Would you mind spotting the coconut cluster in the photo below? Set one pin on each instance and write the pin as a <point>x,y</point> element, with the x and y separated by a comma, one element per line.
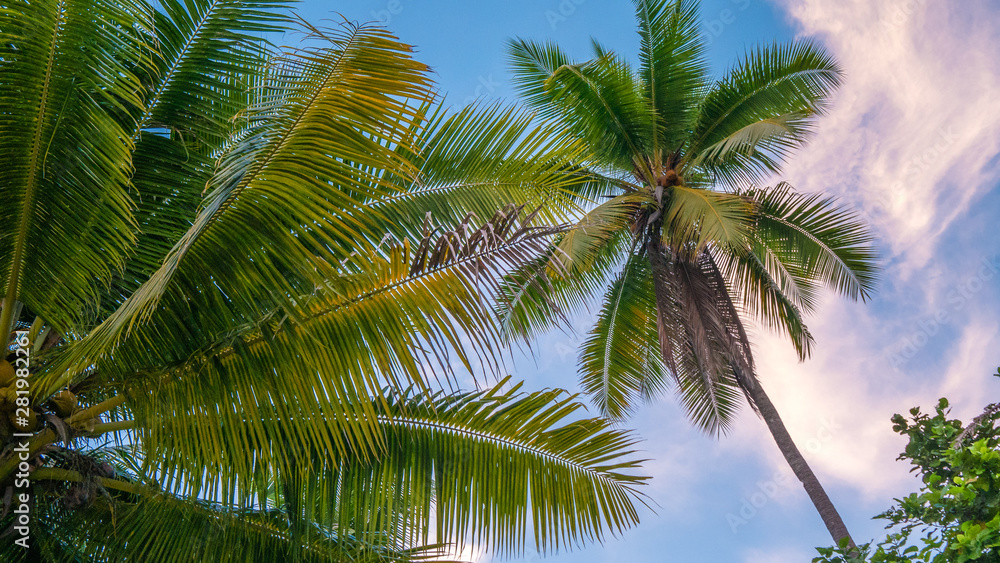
<point>8,403</point>
<point>63,404</point>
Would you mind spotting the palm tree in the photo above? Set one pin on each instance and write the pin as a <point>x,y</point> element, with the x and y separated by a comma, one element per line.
<point>232,277</point>
<point>684,238</point>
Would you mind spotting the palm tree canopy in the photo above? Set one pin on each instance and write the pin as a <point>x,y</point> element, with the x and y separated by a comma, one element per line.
<point>686,241</point>
<point>260,263</point>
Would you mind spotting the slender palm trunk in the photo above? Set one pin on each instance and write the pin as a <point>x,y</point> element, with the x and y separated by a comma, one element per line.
<point>827,511</point>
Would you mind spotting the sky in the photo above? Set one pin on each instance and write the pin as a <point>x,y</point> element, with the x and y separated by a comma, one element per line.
<point>912,142</point>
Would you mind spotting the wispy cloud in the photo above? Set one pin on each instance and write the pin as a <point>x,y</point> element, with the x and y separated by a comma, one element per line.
<point>914,129</point>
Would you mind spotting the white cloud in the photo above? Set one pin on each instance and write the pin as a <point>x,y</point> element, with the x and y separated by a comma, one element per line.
<point>964,385</point>
<point>916,124</point>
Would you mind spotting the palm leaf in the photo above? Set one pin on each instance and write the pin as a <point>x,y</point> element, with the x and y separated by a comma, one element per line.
<point>207,63</point>
<point>69,218</point>
<point>166,528</point>
<point>815,238</point>
<point>597,100</point>
<point>764,108</point>
<point>492,469</point>
<point>580,262</point>
<point>489,468</point>
<point>280,198</point>
<point>699,217</point>
<point>478,160</point>
<point>575,252</point>
<point>673,68</point>
<point>767,298</point>
<point>393,318</point>
<point>620,362</point>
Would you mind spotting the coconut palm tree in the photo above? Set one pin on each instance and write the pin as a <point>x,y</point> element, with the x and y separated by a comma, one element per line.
<point>233,277</point>
<point>682,235</point>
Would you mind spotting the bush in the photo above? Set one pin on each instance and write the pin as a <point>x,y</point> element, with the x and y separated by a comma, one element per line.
<point>955,516</point>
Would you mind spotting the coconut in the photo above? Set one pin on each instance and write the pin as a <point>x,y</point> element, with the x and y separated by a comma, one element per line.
<point>91,423</point>
<point>669,178</point>
<point>32,420</point>
<point>7,374</point>
<point>7,397</point>
<point>65,403</point>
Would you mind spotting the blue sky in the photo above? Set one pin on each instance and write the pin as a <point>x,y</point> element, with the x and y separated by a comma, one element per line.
<point>912,142</point>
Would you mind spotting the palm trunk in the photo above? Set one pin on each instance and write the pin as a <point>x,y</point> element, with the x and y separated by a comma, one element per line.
<point>827,511</point>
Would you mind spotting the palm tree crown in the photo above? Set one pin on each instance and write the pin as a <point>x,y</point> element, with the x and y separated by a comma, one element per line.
<point>683,236</point>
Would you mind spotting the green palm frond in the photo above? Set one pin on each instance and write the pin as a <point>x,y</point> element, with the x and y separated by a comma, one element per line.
<point>701,217</point>
<point>491,469</point>
<point>597,100</point>
<point>204,49</point>
<point>403,315</point>
<point>162,527</point>
<point>769,299</point>
<point>816,238</point>
<point>68,216</point>
<point>278,214</point>
<point>190,422</point>
<point>478,160</point>
<point>208,62</point>
<point>575,268</point>
<point>764,108</point>
<point>620,362</point>
<point>534,298</point>
<point>577,250</point>
<point>673,68</point>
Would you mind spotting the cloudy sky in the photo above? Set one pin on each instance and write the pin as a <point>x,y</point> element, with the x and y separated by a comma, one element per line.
<point>912,142</point>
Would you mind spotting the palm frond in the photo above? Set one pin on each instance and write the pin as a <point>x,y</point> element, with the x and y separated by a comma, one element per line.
<point>404,316</point>
<point>597,100</point>
<point>577,250</point>
<point>68,216</point>
<point>162,527</point>
<point>489,468</point>
<point>279,211</point>
<point>496,467</point>
<point>699,217</point>
<point>764,109</point>
<point>673,68</point>
<point>208,63</point>
<point>478,160</point>
<point>816,238</point>
<point>542,292</point>
<point>766,298</point>
<point>620,361</point>
<point>534,298</point>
